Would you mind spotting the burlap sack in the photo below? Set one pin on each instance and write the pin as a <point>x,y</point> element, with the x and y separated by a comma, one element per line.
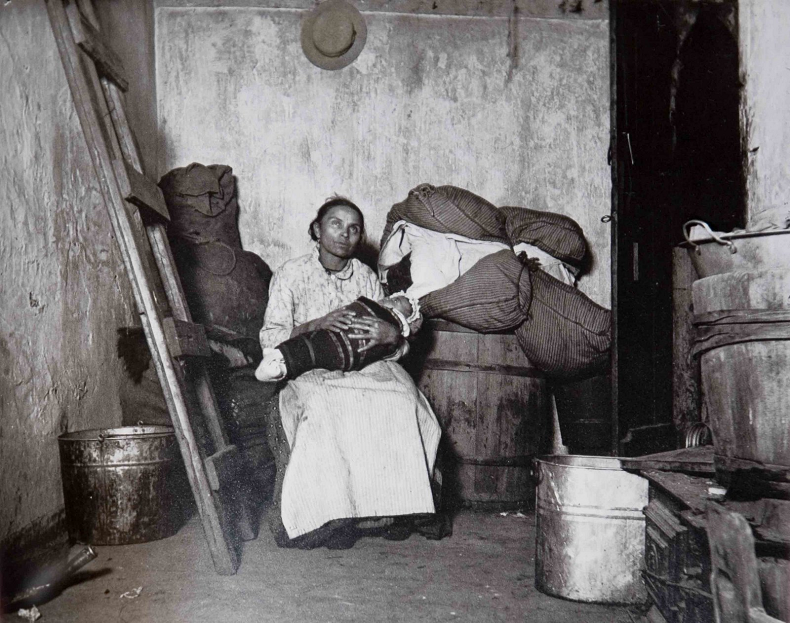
<point>224,285</point>
<point>202,204</point>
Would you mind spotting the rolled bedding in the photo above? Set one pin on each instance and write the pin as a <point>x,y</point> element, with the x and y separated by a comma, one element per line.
<point>494,295</point>
<point>560,329</point>
<point>448,210</point>
<point>556,234</point>
<point>565,334</point>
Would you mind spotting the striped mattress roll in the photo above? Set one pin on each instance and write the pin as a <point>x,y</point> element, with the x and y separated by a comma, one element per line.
<point>493,295</point>
<point>566,334</point>
<point>556,234</point>
<point>448,210</point>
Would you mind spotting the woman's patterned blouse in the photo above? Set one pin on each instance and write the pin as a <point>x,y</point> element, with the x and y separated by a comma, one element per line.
<point>302,290</point>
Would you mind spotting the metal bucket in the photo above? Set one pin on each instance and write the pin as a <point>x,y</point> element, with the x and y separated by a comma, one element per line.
<point>714,253</point>
<point>590,530</point>
<point>122,485</point>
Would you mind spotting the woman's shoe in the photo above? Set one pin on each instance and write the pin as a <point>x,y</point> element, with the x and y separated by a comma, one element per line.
<point>342,538</point>
<point>435,527</point>
<point>398,531</point>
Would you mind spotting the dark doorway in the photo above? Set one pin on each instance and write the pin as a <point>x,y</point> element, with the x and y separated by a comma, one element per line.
<point>676,157</point>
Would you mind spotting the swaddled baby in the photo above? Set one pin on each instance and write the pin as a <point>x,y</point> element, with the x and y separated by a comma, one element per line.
<point>335,350</point>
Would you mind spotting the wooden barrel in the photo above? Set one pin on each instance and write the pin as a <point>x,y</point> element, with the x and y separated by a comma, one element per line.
<point>742,336</point>
<point>763,289</point>
<point>493,407</point>
<point>745,373</point>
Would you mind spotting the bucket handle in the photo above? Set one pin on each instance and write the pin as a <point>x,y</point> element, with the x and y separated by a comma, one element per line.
<point>706,227</point>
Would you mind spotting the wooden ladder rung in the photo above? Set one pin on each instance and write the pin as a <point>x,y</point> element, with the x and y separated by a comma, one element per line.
<point>89,39</point>
<point>222,467</point>
<point>138,189</point>
<point>185,339</point>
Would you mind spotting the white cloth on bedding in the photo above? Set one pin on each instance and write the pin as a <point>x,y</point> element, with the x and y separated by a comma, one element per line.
<point>363,444</point>
<point>436,259</point>
<point>548,263</point>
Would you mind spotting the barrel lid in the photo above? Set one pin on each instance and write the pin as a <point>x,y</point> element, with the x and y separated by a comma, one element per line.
<point>440,324</point>
<point>581,461</point>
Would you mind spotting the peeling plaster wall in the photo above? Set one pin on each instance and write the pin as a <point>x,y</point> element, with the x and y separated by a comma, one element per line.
<point>764,42</point>
<point>64,290</point>
<point>514,109</point>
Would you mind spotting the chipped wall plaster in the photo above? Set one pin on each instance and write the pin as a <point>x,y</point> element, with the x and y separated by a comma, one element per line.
<point>64,290</point>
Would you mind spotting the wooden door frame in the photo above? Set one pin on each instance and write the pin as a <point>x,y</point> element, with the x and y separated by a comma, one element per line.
<point>614,163</point>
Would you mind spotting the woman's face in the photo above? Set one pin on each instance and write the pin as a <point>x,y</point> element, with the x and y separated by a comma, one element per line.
<point>339,231</point>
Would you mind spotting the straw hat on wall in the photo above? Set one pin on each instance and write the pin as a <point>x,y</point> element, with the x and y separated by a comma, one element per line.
<point>333,34</point>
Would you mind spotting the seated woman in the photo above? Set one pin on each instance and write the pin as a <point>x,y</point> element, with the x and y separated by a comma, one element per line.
<point>335,350</point>
<point>367,439</point>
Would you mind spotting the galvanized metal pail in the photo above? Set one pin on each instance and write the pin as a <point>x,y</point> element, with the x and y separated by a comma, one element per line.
<point>590,530</point>
<point>122,485</point>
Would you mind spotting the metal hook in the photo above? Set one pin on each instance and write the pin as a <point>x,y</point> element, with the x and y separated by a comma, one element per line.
<point>706,227</point>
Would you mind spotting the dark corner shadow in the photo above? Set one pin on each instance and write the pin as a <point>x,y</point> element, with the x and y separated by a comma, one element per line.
<point>239,196</point>
<point>588,261</point>
<point>368,253</point>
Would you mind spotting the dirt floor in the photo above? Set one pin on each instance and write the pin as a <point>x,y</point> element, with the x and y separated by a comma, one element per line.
<point>483,573</point>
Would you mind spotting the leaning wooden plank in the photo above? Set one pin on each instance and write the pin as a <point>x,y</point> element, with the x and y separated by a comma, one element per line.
<point>89,39</point>
<point>174,378</point>
<point>223,467</point>
<point>117,107</point>
<point>685,367</point>
<point>82,83</point>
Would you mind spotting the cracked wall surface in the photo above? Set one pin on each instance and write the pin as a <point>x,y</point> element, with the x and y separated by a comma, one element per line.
<point>764,27</point>
<point>64,289</point>
<point>508,105</point>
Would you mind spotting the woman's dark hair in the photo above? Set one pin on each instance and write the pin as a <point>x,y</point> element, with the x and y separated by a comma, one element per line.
<point>332,203</point>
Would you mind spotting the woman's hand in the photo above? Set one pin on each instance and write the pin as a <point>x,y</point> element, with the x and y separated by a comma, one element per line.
<point>338,320</point>
<point>373,332</point>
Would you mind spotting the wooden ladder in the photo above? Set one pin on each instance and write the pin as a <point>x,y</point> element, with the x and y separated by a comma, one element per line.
<point>137,211</point>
